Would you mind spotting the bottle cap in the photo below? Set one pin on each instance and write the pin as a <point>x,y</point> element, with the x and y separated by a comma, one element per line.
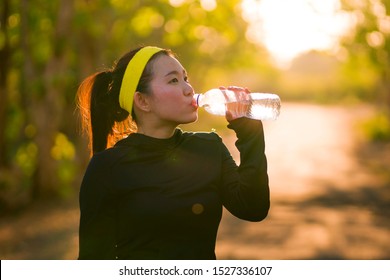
<point>197,98</point>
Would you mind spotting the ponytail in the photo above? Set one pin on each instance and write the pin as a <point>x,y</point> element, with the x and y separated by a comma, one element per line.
<point>102,119</point>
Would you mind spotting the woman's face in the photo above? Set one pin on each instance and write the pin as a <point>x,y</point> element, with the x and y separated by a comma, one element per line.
<point>171,99</point>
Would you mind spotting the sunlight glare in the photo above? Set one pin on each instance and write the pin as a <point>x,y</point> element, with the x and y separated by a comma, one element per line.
<point>208,5</point>
<point>290,27</point>
<point>176,3</point>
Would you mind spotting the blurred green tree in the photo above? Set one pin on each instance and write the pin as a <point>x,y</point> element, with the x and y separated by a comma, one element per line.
<point>5,54</point>
<point>368,46</point>
<point>48,47</point>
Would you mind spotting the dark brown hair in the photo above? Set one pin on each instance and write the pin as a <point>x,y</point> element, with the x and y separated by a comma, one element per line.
<point>102,118</point>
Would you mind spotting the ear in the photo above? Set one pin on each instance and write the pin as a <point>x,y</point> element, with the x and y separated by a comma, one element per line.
<point>141,101</point>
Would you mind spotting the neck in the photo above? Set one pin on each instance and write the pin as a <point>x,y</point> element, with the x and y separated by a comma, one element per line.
<point>157,132</point>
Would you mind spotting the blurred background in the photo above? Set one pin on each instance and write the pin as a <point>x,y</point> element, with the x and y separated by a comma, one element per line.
<point>328,153</point>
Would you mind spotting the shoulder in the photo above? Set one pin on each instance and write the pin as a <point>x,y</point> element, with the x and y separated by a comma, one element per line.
<point>98,175</point>
<point>103,160</point>
<point>206,136</point>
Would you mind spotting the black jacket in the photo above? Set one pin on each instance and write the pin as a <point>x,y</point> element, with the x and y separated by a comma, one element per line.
<point>149,198</point>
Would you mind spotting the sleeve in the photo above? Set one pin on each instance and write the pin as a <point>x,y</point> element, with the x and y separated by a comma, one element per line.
<point>245,190</point>
<point>97,227</point>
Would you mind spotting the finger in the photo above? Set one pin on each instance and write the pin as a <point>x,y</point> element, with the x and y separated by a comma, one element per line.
<point>235,88</point>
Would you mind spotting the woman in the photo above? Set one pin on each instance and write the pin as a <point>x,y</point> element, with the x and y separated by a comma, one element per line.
<point>152,191</point>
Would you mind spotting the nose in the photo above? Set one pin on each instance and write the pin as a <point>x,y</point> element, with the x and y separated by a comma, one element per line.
<point>188,90</point>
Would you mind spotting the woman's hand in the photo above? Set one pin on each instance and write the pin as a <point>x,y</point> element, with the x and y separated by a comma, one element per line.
<point>235,110</point>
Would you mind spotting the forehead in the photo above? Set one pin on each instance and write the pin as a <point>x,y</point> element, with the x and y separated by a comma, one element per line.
<point>165,64</point>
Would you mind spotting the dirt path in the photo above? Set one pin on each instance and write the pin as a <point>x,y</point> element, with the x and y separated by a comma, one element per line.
<point>330,200</point>
<point>327,202</point>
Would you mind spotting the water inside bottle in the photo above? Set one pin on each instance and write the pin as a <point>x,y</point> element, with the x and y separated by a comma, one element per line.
<point>263,106</point>
<point>259,106</point>
<point>263,112</point>
<point>216,109</point>
<point>251,109</point>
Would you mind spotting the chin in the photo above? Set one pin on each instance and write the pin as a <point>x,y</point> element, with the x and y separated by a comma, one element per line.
<point>191,119</point>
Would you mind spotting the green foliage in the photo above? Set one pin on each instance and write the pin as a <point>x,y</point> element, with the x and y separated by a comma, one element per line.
<point>63,149</point>
<point>367,46</point>
<point>56,44</point>
<point>377,128</point>
<point>26,158</point>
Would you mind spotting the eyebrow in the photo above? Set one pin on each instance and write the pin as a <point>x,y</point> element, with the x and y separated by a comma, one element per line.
<point>174,72</point>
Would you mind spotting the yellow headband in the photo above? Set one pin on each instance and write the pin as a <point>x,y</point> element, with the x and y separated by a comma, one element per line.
<point>132,75</point>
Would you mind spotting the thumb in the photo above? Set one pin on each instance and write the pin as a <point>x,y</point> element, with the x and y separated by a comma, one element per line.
<point>229,116</point>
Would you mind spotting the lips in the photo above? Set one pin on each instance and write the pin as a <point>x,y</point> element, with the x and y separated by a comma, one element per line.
<point>194,103</point>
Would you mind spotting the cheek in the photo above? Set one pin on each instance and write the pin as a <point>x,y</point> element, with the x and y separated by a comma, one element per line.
<point>164,103</point>
<point>164,100</point>
<point>163,97</point>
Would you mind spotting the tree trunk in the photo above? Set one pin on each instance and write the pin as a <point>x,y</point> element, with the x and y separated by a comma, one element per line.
<point>45,106</point>
<point>5,54</point>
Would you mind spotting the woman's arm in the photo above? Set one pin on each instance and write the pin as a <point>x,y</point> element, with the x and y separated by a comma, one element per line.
<point>245,190</point>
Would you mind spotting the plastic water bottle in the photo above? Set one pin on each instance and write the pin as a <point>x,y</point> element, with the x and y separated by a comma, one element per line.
<point>260,106</point>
